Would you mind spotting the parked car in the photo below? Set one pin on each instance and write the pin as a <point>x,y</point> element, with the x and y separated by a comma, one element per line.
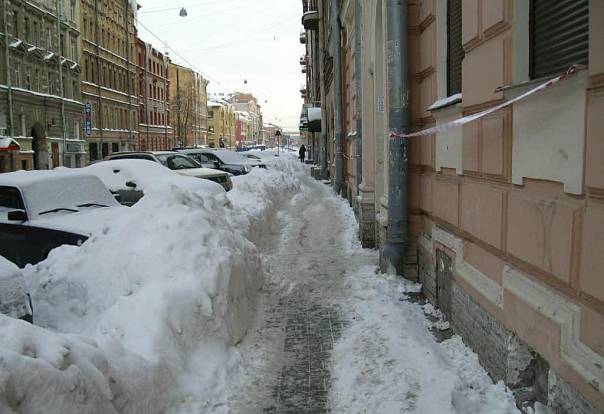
<point>41,210</point>
<point>179,163</point>
<point>129,179</point>
<point>198,155</point>
<point>231,162</point>
<point>15,302</point>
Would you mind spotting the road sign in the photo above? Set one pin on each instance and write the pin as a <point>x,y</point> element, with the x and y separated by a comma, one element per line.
<point>88,119</point>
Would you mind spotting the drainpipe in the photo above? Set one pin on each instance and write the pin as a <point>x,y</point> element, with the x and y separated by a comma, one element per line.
<point>337,93</point>
<point>128,74</point>
<point>397,236</point>
<point>9,86</point>
<point>320,57</point>
<point>99,91</point>
<point>59,11</point>
<point>359,90</point>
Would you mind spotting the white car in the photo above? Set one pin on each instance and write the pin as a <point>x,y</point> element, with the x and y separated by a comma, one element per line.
<point>179,163</point>
<point>129,179</point>
<point>41,210</point>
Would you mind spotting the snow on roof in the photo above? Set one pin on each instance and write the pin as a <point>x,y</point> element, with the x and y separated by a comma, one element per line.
<point>8,143</point>
<point>212,103</point>
<point>314,114</point>
<point>49,56</point>
<point>16,43</point>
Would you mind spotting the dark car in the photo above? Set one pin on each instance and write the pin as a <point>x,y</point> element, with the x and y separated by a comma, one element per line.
<point>42,210</point>
<point>230,161</point>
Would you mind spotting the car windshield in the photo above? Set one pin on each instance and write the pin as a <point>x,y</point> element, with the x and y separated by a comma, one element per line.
<point>177,162</point>
<point>230,157</point>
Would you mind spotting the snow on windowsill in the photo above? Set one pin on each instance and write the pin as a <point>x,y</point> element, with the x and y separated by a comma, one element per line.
<point>444,102</point>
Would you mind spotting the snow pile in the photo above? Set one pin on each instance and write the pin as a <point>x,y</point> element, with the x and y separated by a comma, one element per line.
<point>388,362</point>
<point>256,193</point>
<point>145,312</point>
<point>13,296</point>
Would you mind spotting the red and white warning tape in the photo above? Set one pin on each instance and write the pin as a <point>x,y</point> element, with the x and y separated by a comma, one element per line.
<point>466,119</point>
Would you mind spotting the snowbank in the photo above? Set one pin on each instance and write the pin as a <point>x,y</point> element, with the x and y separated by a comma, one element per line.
<point>381,368</point>
<point>144,313</point>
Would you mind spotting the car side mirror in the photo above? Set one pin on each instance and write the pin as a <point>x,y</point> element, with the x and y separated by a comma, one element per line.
<point>130,184</point>
<point>216,164</point>
<point>117,196</point>
<point>17,215</point>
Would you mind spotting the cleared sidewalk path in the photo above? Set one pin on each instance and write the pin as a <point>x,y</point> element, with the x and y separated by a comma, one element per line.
<point>333,335</point>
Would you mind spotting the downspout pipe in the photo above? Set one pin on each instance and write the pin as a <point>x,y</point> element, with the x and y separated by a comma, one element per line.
<point>320,57</point>
<point>359,91</point>
<point>397,235</point>
<point>337,94</point>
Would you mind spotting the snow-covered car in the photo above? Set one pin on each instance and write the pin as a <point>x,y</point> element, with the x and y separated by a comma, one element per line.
<point>14,300</point>
<point>180,164</point>
<point>41,210</point>
<point>232,162</point>
<point>129,179</point>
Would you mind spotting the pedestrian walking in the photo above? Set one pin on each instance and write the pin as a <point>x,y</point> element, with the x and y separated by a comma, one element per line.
<point>302,153</point>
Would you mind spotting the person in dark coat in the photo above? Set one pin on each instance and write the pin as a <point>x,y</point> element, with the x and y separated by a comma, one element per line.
<point>302,153</point>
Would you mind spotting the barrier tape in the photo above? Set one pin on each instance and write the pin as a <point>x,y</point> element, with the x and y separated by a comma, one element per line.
<point>461,121</point>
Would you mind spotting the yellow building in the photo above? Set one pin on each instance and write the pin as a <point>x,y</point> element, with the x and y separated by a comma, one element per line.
<point>188,106</point>
<point>108,76</point>
<point>221,124</point>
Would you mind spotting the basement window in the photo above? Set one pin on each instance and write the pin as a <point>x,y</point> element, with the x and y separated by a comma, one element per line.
<point>559,36</point>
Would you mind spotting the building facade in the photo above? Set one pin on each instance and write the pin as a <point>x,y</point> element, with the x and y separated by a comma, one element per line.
<point>244,127</point>
<point>221,124</point>
<point>499,219</point>
<point>155,130</point>
<point>188,106</point>
<point>109,86</point>
<point>40,101</point>
<point>248,103</point>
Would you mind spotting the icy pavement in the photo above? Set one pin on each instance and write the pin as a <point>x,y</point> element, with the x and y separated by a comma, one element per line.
<point>333,335</point>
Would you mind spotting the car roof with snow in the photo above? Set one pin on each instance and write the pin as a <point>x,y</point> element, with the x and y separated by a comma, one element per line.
<point>47,190</point>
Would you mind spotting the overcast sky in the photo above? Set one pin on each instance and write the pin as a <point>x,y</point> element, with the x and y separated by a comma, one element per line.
<point>231,41</point>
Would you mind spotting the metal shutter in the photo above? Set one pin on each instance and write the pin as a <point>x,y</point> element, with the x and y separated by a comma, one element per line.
<point>559,35</point>
<point>455,53</point>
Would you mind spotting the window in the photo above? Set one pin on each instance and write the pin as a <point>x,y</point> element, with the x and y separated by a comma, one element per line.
<point>72,11</point>
<point>62,45</point>
<point>115,147</point>
<point>49,38</point>
<point>17,80</point>
<point>105,150</point>
<point>26,28</point>
<point>93,150</point>
<point>28,80</point>
<point>455,53</point>
<point>50,88</point>
<point>559,35</point>
<point>15,23</point>
<point>74,49</point>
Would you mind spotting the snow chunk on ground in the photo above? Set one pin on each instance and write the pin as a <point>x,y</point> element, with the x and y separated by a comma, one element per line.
<point>145,313</point>
<point>388,362</point>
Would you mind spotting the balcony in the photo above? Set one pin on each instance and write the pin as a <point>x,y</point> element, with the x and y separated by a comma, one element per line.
<point>303,89</point>
<point>310,18</point>
<point>303,60</point>
<point>303,69</point>
<point>303,37</point>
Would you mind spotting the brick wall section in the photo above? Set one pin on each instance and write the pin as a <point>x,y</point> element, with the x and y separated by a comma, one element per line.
<point>367,224</point>
<point>427,276</point>
<point>481,332</point>
<point>563,399</point>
